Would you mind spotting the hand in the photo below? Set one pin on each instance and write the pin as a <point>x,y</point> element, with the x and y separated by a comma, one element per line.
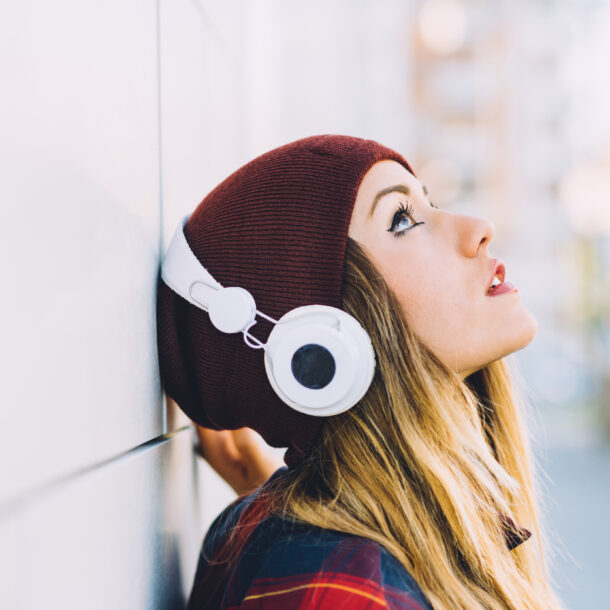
<point>238,456</point>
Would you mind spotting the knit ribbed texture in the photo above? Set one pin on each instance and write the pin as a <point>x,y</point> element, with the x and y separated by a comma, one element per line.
<point>278,228</point>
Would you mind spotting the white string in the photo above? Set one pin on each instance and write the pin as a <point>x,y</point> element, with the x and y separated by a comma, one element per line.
<point>260,313</point>
<point>259,344</point>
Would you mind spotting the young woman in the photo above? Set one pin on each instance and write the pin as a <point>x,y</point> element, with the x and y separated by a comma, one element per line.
<point>421,494</point>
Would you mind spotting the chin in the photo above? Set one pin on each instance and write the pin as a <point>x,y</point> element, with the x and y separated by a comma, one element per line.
<point>521,336</point>
<point>528,329</point>
<point>519,332</point>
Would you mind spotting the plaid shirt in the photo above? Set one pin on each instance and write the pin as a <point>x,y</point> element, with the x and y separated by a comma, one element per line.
<point>294,566</point>
<point>285,565</point>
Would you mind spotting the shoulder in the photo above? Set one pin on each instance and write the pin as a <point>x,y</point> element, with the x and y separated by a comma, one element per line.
<point>302,566</point>
<point>228,519</point>
<point>223,524</point>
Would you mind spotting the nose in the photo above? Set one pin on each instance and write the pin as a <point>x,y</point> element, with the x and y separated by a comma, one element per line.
<point>476,233</point>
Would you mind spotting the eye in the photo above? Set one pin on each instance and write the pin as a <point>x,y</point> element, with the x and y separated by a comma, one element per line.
<point>401,213</point>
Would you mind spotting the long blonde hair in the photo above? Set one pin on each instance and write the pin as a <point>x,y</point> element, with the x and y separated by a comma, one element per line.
<point>424,464</point>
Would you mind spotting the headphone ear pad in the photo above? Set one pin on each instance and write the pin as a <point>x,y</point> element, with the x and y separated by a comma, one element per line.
<point>319,360</point>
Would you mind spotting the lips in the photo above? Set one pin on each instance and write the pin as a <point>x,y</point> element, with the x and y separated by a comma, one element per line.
<point>497,270</point>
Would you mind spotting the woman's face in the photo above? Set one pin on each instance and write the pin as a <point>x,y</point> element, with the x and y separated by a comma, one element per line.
<point>438,264</point>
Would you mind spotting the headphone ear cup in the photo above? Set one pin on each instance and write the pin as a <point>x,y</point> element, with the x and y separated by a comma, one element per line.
<point>319,360</point>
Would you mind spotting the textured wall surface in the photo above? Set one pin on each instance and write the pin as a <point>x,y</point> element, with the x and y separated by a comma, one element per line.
<point>117,118</point>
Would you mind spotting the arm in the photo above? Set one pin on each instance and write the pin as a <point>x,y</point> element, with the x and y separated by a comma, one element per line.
<point>238,456</point>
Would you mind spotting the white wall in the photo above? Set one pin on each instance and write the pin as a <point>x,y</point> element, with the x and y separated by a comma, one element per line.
<point>116,118</point>
<point>327,67</point>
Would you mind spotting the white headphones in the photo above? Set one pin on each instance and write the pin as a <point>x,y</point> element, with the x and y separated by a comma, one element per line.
<point>318,359</point>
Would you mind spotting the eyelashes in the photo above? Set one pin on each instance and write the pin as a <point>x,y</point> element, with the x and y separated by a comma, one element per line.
<point>402,212</point>
<point>405,211</point>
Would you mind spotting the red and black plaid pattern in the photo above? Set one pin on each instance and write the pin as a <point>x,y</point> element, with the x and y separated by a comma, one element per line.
<point>350,577</point>
<point>280,564</point>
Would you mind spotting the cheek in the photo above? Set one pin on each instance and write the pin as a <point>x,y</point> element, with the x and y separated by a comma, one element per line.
<point>433,298</point>
<point>436,309</point>
<point>417,293</point>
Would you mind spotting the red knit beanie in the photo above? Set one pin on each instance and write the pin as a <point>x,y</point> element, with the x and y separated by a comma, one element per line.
<point>278,228</point>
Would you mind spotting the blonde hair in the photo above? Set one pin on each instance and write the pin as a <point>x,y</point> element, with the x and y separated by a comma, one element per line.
<point>424,464</point>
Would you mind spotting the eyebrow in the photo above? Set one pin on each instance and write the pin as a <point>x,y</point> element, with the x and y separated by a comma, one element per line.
<point>397,188</point>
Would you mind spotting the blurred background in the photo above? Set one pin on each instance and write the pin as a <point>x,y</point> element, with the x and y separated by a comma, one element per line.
<point>117,118</point>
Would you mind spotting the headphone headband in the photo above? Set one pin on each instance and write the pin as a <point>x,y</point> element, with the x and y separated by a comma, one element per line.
<point>318,359</point>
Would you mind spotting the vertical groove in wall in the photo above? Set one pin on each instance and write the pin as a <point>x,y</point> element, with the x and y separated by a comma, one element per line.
<point>160,170</point>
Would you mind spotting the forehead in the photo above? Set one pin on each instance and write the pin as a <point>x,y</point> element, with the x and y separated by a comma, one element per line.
<point>381,175</point>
